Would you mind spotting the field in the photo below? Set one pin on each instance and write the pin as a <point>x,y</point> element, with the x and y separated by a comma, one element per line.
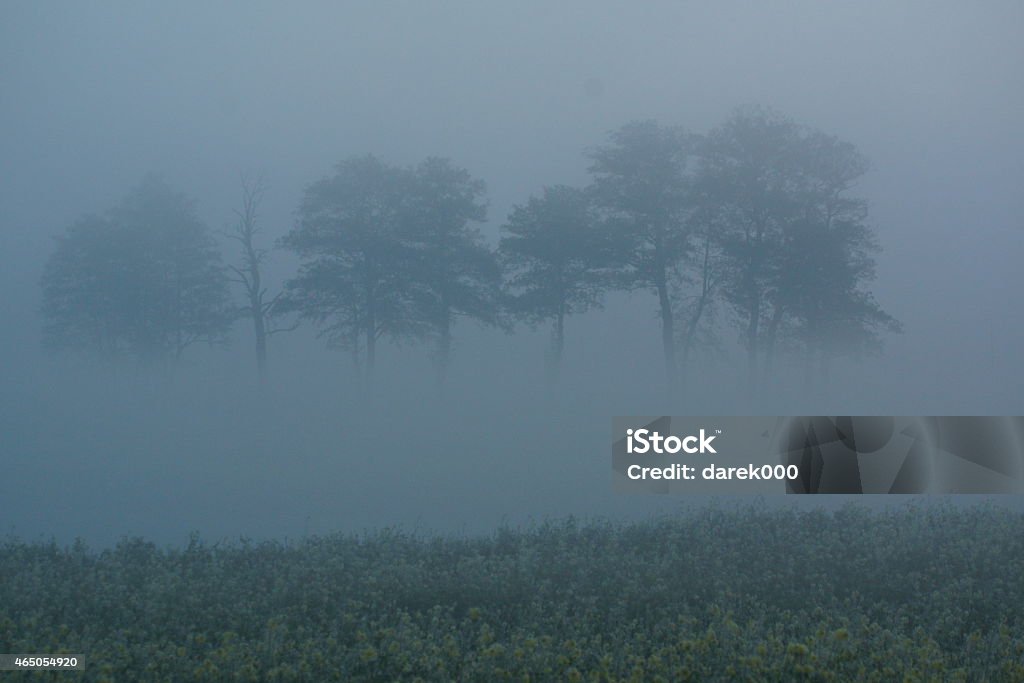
<point>749,594</point>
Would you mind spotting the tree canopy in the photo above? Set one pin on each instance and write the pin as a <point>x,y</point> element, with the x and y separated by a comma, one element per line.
<point>557,259</point>
<point>642,184</point>
<point>798,250</point>
<point>754,223</point>
<point>143,279</point>
<point>394,252</point>
<point>452,268</point>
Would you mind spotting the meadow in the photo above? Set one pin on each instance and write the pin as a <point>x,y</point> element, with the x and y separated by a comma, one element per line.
<point>921,593</point>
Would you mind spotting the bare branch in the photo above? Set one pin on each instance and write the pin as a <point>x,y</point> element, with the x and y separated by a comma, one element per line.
<point>289,328</point>
<point>232,235</point>
<point>243,277</point>
<point>269,306</point>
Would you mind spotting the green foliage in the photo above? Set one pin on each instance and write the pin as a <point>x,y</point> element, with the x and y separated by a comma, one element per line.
<point>922,594</point>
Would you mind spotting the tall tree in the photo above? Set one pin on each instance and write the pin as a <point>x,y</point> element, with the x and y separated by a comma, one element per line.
<point>454,273</point>
<point>703,274</point>
<point>145,279</point>
<point>798,248</point>
<point>828,259</point>
<point>557,260</point>
<point>641,181</point>
<point>355,280</point>
<point>260,309</point>
<point>749,171</point>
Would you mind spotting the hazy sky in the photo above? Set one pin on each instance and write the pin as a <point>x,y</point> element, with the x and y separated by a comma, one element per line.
<point>95,95</point>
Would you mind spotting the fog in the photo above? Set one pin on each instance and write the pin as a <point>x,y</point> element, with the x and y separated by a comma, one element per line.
<point>93,97</point>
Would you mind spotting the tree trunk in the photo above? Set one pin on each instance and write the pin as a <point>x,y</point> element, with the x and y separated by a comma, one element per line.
<point>444,346</point>
<point>667,328</point>
<point>559,337</point>
<point>357,362</point>
<point>557,346</point>
<point>755,243</point>
<point>371,332</point>
<point>753,326</point>
<point>694,322</point>
<point>260,329</point>
<point>771,338</point>
<point>371,348</point>
<point>691,335</point>
<point>811,352</point>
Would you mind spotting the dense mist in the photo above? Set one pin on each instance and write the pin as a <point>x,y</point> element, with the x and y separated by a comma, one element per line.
<point>98,98</point>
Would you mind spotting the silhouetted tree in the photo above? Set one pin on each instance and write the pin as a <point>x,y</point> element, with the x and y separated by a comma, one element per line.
<point>557,261</point>
<point>453,272</point>
<point>827,259</point>
<point>355,282</point>
<point>799,253</point>
<point>749,170</point>
<point>704,271</point>
<point>249,273</point>
<point>641,181</point>
<point>144,279</point>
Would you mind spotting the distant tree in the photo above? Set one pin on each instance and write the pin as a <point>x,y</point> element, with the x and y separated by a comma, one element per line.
<point>642,182</point>
<point>798,250</point>
<point>557,259</point>
<point>748,170</point>
<point>355,282</point>
<point>828,260</point>
<point>704,271</point>
<point>249,273</point>
<point>145,279</point>
<point>454,274</point>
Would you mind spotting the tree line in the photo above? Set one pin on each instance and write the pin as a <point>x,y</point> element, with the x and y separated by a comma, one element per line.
<point>752,222</point>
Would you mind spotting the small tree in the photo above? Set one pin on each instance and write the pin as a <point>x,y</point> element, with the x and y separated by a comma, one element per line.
<point>145,280</point>
<point>558,262</point>
<point>249,273</point>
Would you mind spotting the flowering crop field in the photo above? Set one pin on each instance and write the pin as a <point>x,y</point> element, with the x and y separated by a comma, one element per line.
<point>740,594</point>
